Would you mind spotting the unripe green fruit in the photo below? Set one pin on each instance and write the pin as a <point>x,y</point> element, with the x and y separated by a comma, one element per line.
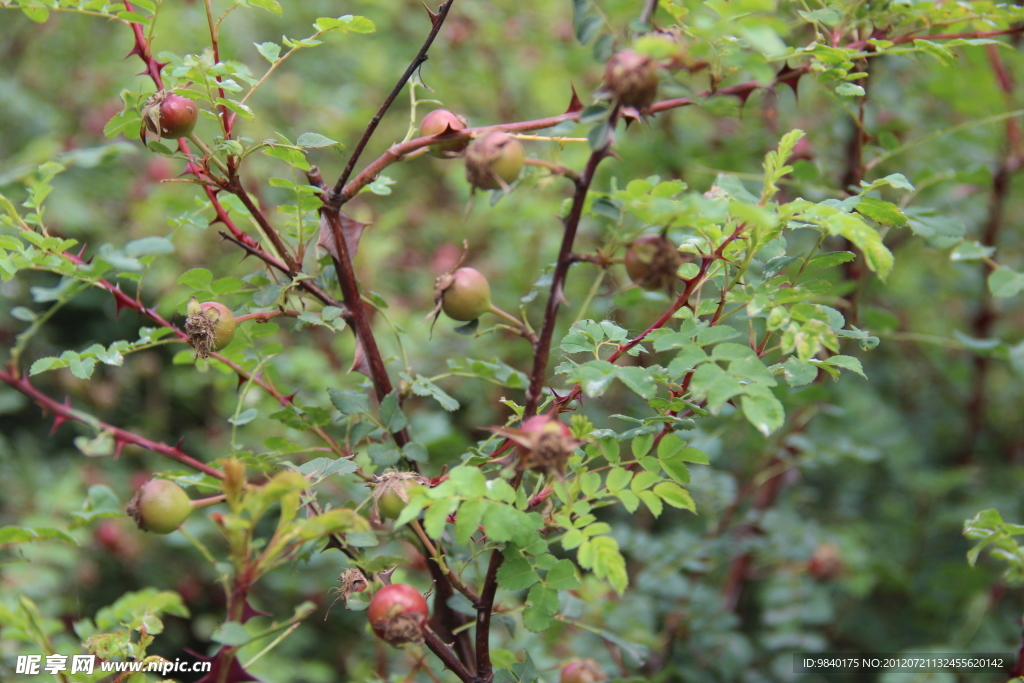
<point>632,78</point>
<point>652,262</point>
<point>438,122</point>
<point>468,296</point>
<point>397,614</point>
<point>210,326</point>
<point>494,161</point>
<point>160,506</point>
<point>169,115</point>
<point>390,504</point>
<point>223,323</point>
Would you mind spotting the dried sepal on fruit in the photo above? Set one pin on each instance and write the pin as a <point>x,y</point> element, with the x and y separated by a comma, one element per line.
<point>652,261</point>
<point>397,614</point>
<point>543,442</point>
<point>494,161</point>
<point>582,671</point>
<point>392,492</point>
<point>353,580</point>
<point>168,115</point>
<point>632,79</point>
<point>210,326</point>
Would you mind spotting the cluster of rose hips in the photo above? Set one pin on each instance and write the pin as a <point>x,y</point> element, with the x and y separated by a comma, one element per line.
<point>398,612</point>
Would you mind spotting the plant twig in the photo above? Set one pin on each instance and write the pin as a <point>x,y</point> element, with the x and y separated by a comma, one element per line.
<point>484,607</point>
<point>565,258</point>
<point>445,653</point>
<point>63,412</point>
<point>437,20</point>
<point>360,321</point>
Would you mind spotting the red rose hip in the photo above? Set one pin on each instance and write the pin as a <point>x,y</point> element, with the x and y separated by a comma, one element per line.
<point>397,614</point>
<point>438,122</point>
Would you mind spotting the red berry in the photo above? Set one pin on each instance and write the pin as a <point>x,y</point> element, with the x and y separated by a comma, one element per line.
<point>632,78</point>
<point>583,671</point>
<point>466,294</point>
<point>440,121</point>
<point>160,506</point>
<point>543,442</point>
<point>826,562</point>
<point>169,115</point>
<point>494,161</point>
<point>652,262</point>
<point>397,614</point>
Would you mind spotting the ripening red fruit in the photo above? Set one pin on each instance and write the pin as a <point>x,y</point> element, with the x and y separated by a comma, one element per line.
<point>467,296</point>
<point>632,78</point>
<point>160,506</point>
<point>169,115</point>
<point>583,671</point>
<point>826,562</point>
<point>652,262</point>
<point>440,121</point>
<point>494,161</point>
<point>544,443</point>
<point>397,614</point>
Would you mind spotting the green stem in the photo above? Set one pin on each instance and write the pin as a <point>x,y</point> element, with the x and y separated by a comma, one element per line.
<point>194,139</point>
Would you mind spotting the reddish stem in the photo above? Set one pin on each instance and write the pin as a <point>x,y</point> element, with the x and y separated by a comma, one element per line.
<point>63,412</point>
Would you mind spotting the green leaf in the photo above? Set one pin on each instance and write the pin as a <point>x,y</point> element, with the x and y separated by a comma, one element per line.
<point>882,212</point>
<point>231,633</point>
<point>1005,282</point>
<point>848,363</point>
<point>602,555</point>
<point>831,259</point>
<point>347,23</point>
<point>638,379</point>
<point>437,517</point>
<point>469,481</point>
<point>391,413</point>
<point>541,607</point>
<point>349,402</point>
<point>468,519</point>
<point>763,411</point>
<point>867,239</point>
<point>270,51</point>
<point>562,576</point>
<point>971,251</point>
<point>148,245</point>
<point>197,278</point>
<point>516,573</point>
<point>424,387</point>
<point>618,478</point>
<point>272,6</point>
<point>243,418</point>
<point>315,140</point>
<point>675,495</point>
